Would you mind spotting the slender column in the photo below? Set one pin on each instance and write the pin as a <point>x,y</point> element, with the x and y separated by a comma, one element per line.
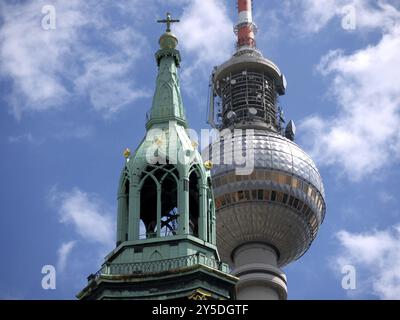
<point>213,225</point>
<point>260,278</point>
<point>136,216</point>
<point>122,218</point>
<point>134,213</point>
<point>184,185</point>
<point>158,211</point>
<point>203,209</point>
<point>178,206</point>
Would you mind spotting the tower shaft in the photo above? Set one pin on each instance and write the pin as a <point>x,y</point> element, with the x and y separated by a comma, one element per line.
<point>256,265</point>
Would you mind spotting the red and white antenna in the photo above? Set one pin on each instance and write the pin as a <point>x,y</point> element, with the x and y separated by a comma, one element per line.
<point>245,28</point>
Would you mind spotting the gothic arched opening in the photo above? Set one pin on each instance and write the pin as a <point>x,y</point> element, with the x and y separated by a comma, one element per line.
<point>148,206</point>
<point>159,201</point>
<point>169,205</point>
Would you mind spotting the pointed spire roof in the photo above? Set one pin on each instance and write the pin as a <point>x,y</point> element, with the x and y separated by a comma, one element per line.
<point>167,101</point>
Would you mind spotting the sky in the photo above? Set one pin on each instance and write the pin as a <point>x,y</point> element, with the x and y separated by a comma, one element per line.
<point>74,92</point>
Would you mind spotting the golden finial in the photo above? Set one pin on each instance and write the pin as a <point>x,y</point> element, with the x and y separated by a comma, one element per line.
<point>208,165</point>
<point>168,40</point>
<point>127,153</point>
<point>158,141</point>
<point>194,144</point>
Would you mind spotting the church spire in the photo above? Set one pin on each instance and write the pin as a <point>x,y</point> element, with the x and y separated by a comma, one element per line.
<point>166,240</point>
<point>167,101</point>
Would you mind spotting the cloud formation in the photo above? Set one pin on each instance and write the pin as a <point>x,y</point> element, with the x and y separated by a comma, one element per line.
<point>86,54</point>
<point>376,257</point>
<point>311,16</point>
<point>206,38</point>
<point>23,138</point>
<point>63,254</point>
<point>87,214</point>
<point>93,53</point>
<point>362,137</point>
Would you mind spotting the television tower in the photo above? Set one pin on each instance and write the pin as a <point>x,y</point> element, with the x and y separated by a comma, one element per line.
<point>269,217</point>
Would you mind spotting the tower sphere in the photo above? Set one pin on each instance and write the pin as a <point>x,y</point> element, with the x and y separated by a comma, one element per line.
<point>168,41</point>
<point>281,203</point>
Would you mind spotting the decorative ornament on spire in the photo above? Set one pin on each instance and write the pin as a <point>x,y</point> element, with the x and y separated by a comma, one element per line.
<point>168,40</point>
<point>208,165</point>
<point>127,154</point>
<point>168,21</point>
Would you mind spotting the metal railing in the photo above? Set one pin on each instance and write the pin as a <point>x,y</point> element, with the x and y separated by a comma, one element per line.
<point>159,266</point>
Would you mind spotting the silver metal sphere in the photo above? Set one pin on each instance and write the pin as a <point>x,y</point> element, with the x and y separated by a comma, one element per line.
<point>280,204</point>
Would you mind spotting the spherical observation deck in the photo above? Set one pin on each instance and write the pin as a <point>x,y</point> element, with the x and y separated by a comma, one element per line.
<point>281,204</point>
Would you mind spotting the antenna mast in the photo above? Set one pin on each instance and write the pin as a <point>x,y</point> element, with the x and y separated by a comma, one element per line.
<point>245,29</point>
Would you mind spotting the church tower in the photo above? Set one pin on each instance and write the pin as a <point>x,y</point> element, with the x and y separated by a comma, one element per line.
<point>166,228</point>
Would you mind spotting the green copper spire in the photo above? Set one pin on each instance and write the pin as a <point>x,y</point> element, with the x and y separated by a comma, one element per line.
<point>167,101</point>
<point>166,223</point>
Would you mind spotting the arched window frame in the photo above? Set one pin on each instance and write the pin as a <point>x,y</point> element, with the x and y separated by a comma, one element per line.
<point>158,182</point>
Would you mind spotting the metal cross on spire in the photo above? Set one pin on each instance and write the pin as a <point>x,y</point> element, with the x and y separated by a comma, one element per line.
<point>168,21</point>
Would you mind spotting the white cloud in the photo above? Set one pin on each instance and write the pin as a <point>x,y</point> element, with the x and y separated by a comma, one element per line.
<point>87,53</point>
<point>206,30</point>
<point>386,197</point>
<point>314,15</point>
<point>27,137</point>
<point>66,131</point>
<point>91,224</point>
<point>363,136</point>
<point>94,52</point>
<point>206,36</point>
<point>106,76</point>
<point>376,256</point>
<point>72,131</point>
<point>87,214</point>
<point>63,254</point>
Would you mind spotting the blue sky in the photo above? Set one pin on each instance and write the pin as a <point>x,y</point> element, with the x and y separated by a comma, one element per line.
<point>74,97</point>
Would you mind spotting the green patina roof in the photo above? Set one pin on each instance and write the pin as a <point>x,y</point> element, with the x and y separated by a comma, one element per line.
<point>167,101</point>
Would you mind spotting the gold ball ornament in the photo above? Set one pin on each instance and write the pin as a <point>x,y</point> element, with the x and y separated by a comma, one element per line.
<point>127,153</point>
<point>208,165</point>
